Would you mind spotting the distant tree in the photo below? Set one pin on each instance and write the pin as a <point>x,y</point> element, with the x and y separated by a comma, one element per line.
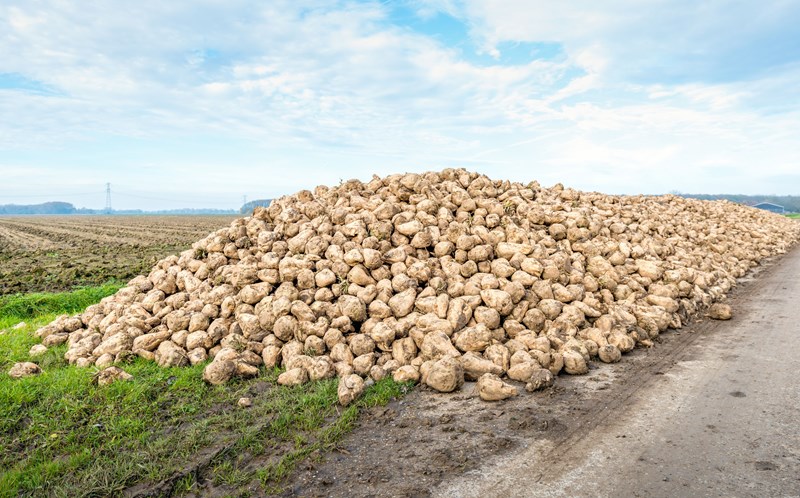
<point>44,208</point>
<point>250,206</point>
<point>67,208</point>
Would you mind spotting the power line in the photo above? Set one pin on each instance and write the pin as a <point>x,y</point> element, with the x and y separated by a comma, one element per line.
<point>152,198</point>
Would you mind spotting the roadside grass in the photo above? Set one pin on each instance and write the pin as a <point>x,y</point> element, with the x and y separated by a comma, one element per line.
<point>794,216</point>
<point>18,307</point>
<point>165,431</point>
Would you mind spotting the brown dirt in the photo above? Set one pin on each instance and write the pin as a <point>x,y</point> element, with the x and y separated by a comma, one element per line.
<point>52,253</point>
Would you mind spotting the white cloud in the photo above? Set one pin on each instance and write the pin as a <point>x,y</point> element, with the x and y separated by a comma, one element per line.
<point>329,90</point>
<point>645,40</point>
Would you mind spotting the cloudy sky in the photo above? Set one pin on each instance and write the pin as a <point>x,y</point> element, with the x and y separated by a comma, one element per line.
<point>198,103</point>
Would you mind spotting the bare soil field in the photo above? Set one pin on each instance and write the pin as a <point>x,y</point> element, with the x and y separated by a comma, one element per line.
<point>53,253</point>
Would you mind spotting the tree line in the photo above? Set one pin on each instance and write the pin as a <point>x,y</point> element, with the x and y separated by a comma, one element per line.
<point>67,208</point>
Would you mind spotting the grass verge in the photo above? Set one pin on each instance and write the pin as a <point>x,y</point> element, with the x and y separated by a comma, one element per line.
<point>165,432</point>
<point>18,307</point>
<point>794,216</point>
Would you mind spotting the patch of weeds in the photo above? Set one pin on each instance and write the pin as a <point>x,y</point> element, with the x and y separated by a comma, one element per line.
<point>344,284</point>
<point>227,474</point>
<point>377,234</point>
<point>184,485</point>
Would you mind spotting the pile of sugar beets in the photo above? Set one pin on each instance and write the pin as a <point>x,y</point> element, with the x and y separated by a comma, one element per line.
<point>432,278</point>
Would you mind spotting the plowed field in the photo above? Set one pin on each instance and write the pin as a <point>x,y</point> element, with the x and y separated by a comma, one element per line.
<point>51,253</point>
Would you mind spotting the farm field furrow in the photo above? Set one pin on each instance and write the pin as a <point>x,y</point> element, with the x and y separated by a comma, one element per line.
<point>107,225</point>
<point>10,238</point>
<point>74,237</point>
<point>69,234</point>
<point>52,253</point>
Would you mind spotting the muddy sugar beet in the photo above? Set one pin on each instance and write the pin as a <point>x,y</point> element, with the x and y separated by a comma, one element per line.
<point>432,278</point>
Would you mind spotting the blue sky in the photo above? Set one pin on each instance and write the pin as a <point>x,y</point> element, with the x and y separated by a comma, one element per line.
<point>196,104</point>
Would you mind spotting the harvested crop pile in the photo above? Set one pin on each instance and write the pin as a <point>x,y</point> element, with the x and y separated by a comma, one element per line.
<point>431,277</point>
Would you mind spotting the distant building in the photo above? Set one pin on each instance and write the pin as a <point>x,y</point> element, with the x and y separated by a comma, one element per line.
<point>768,206</point>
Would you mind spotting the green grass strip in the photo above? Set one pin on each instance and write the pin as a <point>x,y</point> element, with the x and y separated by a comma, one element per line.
<point>20,307</point>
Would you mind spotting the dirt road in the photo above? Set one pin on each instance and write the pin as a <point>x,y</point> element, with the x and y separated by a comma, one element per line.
<point>711,410</point>
<point>724,420</point>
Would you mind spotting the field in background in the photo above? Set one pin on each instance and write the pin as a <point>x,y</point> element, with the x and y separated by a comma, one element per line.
<point>53,253</point>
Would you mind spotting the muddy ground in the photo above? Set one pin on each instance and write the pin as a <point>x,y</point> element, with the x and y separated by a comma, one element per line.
<point>55,253</point>
<point>431,444</point>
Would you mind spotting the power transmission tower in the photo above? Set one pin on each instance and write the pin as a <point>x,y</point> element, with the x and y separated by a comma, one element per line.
<point>108,198</point>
